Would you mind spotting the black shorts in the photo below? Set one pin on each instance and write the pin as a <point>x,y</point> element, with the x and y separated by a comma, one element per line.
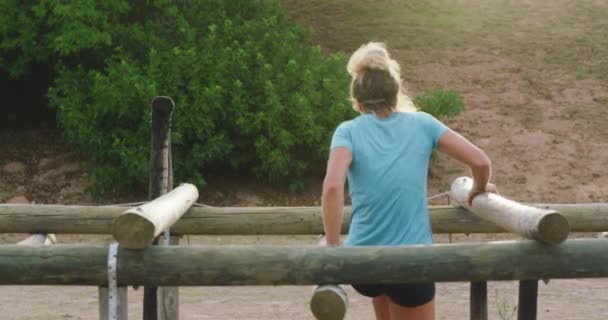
<point>406,295</point>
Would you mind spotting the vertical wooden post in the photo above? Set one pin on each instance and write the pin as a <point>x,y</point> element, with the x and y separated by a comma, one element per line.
<point>169,165</point>
<point>528,299</point>
<point>168,297</point>
<point>162,107</point>
<point>123,310</point>
<point>479,300</point>
<point>168,301</point>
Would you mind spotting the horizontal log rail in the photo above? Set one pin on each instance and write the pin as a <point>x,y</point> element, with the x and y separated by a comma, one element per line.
<point>289,265</point>
<point>591,217</point>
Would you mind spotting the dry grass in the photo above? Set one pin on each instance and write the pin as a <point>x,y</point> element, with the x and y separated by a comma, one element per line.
<point>533,74</point>
<point>566,38</point>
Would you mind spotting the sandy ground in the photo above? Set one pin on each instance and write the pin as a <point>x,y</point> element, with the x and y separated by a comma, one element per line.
<point>534,79</point>
<point>560,299</point>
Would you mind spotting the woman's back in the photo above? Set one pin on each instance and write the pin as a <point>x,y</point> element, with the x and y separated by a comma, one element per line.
<point>387,176</point>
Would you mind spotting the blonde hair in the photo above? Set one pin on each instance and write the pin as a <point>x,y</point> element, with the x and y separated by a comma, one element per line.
<point>372,58</point>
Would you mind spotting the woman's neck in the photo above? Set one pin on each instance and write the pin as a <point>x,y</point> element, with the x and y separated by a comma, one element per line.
<point>383,114</point>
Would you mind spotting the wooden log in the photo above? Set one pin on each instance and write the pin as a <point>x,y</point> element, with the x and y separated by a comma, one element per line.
<point>136,228</point>
<point>533,223</point>
<point>528,300</point>
<point>328,301</point>
<point>123,307</point>
<point>479,300</point>
<point>60,219</point>
<point>40,239</point>
<point>289,265</point>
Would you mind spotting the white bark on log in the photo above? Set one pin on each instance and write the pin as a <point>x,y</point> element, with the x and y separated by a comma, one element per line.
<point>40,239</point>
<point>328,302</point>
<point>533,223</point>
<point>136,228</point>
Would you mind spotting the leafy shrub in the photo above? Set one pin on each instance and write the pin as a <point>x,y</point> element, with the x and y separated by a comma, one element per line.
<point>47,31</point>
<point>250,93</point>
<point>440,103</point>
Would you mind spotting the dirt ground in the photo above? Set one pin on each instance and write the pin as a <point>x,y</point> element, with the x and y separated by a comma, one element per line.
<point>534,76</point>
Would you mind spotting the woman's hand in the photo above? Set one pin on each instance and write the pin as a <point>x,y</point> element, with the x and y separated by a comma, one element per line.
<point>323,242</point>
<point>475,190</point>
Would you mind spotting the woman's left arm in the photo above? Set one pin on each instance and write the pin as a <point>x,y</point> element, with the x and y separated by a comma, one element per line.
<point>333,193</point>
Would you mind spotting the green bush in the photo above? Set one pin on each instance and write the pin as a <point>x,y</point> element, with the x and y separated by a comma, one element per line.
<point>251,95</point>
<point>440,103</point>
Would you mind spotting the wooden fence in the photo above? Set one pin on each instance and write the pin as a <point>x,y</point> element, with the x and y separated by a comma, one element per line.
<point>138,262</point>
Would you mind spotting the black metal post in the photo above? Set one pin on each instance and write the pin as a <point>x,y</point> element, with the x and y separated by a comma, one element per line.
<point>528,299</point>
<point>479,300</point>
<point>160,174</point>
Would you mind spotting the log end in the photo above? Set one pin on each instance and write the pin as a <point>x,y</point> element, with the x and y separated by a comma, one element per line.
<point>459,190</point>
<point>40,239</point>
<point>163,104</point>
<point>553,228</point>
<point>50,239</point>
<point>328,302</point>
<point>133,231</point>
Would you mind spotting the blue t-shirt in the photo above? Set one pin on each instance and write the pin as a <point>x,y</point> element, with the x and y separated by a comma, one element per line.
<point>387,176</point>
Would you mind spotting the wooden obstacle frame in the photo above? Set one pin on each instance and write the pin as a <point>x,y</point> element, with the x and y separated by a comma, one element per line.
<point>545,255</point>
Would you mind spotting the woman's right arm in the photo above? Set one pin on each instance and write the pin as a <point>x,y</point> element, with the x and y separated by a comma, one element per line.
<point>333,193</point>
<point>464,151</point>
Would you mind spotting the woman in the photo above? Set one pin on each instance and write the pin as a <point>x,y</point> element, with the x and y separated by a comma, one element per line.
<point>385,154</point>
